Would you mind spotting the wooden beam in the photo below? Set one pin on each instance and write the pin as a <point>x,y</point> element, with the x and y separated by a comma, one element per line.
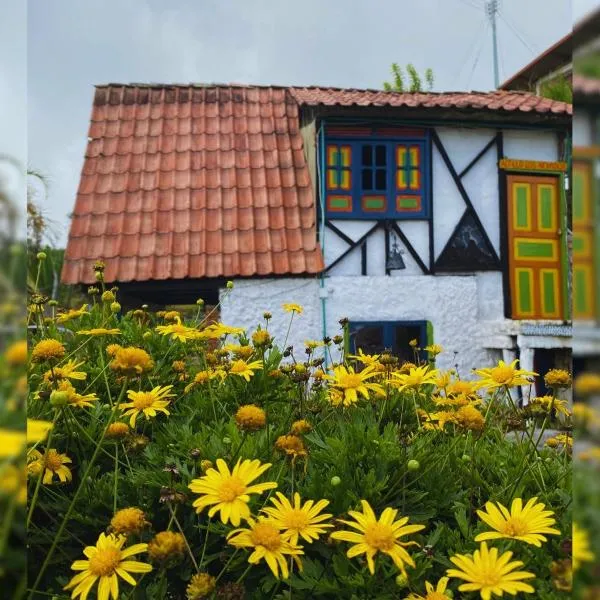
<point>353,246</point>
<point>339,232</point>
<point>480,154</point>
<point>461,189</point>
<point>410,248</point>
<point>503,216</point>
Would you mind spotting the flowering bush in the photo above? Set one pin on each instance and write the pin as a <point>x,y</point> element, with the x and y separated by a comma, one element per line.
<point>188,461</point>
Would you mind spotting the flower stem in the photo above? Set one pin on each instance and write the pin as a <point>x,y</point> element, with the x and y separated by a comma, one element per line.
<point>116,479</point>
<point>74,499</point>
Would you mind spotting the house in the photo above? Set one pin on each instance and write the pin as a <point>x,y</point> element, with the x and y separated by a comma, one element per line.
<point>554,62</point>
<point>586,197</point>
<point>435,216</point>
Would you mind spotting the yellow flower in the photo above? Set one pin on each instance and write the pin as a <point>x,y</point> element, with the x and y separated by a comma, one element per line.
<point>244,369</point>
<point>590,454</point>
<point>178,366</point>
<point>16,354</point>
<point>37,431</point>
<point>543,404</point>
<point>437,593</point>
<point>201,586</point>
<point>47,350</point>
<point>13,482</point>
<point>67,371</point>
<point>562,574</point>
<point>131,361</point>
<point>117,431</point>
<point>50,463</point>
<point>297,520</point>
<point>413,343</point>
<point>368,360</point>
<point>351,384</point>
<point>292,445</point>
<point>489,574</point>
<point>243,352</point>
<point>468,417</point>
<point>73,313</point>
<point>229,491</point>
<point>166,546</point>
<point>587,384</point>
<point>504,375</point>
<point>261,338</point>
<point>200,378</point>
<point>218,330</point>
<point>128,520</point>
<point>460,387</point>
<point>12,442</point>
<point>301,426</point>
<point>99,331</point>
<point>525,523</point>
<point>107,561</point>
<point>268,543</point>
<point>557,378</point>
<point>378,535</point>
<point>148,403</point>
<point>415,378</point>
<point>112,349</point>
<point>434,349</point>
<point>180,332</point>
<point>581,547</point>
<point>584,415</point>
<point>293,308</point>
<point>250,417</point>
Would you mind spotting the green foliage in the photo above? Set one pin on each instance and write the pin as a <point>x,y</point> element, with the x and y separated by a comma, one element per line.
<point>415,83</point>
<point>367,445</point>
<point>558,88</point>
<point>587,65</point>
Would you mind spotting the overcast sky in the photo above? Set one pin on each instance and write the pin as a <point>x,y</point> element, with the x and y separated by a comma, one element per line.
<point>73,45</point>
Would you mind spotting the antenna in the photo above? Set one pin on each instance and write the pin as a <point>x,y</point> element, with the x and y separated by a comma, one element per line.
<point>491,7</point>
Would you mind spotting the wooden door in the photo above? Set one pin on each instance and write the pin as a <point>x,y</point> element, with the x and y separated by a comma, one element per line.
<point>534,247</point>
<point>584,297</point>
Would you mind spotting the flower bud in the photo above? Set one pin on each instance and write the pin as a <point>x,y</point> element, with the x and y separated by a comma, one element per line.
<point>108,297</point>
<point>147,335</point>
<point>41,256</point>
<point>335,481</point>
<point>115,307</point>
<point>59,398</point>
<point>99,276</point>
<point>401,580</point>
<point>200,302</point>
<point>413,465</point>
<point>230,285</point>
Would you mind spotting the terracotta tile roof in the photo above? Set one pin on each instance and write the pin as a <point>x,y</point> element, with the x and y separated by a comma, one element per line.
<point>193,181</point>
<point>498,101</point>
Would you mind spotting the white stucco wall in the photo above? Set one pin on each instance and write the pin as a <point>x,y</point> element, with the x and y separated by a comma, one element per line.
<point>467,311</point>
<point>582,128</point>
<point>449,303</point>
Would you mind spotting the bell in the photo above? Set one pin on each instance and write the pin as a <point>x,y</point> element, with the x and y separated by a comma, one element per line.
<point>394,259</point>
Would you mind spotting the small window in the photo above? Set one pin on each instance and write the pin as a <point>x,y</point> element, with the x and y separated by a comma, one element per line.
<point>375,337</point>
<point>374,167</point>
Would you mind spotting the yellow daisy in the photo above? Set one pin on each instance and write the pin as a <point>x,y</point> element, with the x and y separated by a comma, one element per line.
<point>229,491</point>
<point>293,308</point>
<point>415,378</point>
<point>378,535</point>
<point>581,547</point>
<point>148,403</point>
<point>16,354</point>
<point>297,520</point>
<point>433,593</point>
<point>99,331</point>
<point>107,561</point>
<point>72,313</point>
<point>268,543</point>
<point>350,384</point>
<point>131,361</point>
<point>200,378</point>
<point>525,523</point>
<point>180,332</point>
<point>504,375</point>
<point>48,349</point>
<point>244,369</point>
<point>66,371</point>
<point>49,464</point>
<point>489,574</point>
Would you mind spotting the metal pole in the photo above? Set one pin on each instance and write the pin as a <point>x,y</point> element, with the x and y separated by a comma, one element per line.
<point>492,9</point>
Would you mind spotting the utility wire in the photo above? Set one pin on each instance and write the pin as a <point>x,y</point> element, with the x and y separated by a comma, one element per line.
<point>471,4</point>
<point>465,58</point>
<point>478,56</point>
<point>515,30</point>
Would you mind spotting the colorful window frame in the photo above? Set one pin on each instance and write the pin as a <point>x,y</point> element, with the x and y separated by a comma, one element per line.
<point>380,176</point>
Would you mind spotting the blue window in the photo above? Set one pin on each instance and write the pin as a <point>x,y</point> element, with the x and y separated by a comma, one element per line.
<point>377,176</point>
<point>373,337</point>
